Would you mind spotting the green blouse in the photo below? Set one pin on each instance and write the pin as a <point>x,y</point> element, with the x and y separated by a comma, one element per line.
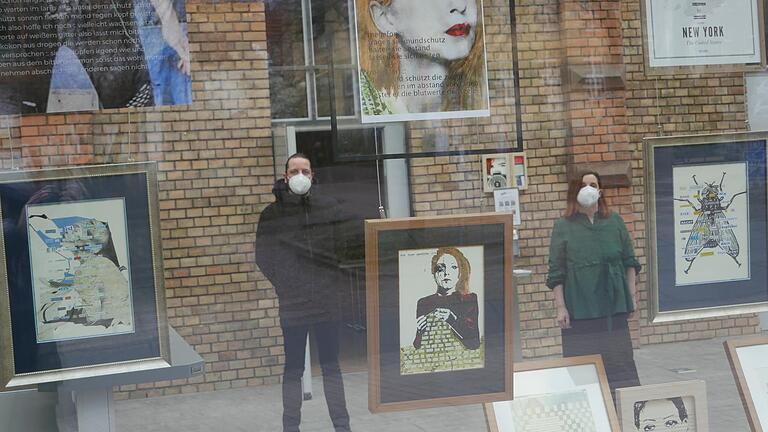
<point>590,261</point>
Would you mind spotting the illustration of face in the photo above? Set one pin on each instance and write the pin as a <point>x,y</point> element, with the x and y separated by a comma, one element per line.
<point>441,29</point>
<point>447,273</point>
<point>661,415</point>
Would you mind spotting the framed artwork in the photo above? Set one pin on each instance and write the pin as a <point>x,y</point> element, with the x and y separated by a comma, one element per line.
<point>707,225</point>
<point>439,297</point>
<point>747,358</point>
<point>504,170</point>
<point>683,35</point>
<point>81,277</point>
<point>678,406</point>
<point>560,395</point>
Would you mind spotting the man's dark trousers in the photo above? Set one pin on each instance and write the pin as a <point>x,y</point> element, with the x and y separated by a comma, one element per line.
<point>327,343</point>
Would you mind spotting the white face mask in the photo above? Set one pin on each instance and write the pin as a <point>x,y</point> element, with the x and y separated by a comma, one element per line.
<point>588,196</point>
<point>299,184</point>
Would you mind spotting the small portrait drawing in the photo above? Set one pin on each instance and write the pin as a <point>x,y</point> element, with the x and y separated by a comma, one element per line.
<point>662,415</point>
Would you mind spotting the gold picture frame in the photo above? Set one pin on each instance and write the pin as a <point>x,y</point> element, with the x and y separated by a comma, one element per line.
<point>683,250</point>
<point>81,274</point>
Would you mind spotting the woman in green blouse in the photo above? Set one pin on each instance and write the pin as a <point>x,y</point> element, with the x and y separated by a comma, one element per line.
<point>592,271</point>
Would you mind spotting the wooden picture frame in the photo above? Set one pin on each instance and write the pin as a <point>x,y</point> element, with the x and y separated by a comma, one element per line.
<point>580,383</point>
<point>417,359</point>
<point>81,276</point>
<point>684,401</point>
<point>747,359</point>
<point>684,66</point>
<point>695,182</point>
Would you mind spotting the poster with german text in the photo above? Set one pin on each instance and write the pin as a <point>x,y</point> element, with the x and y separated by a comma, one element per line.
<point>421,60</point>
<point>91,55</point>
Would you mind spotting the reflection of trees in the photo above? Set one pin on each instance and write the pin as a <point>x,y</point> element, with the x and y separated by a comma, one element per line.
<point>288,95</point>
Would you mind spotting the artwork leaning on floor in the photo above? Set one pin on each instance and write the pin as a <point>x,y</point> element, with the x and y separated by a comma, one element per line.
<point>558,395</point>
<point>747,358</point>
<point>81,279</point>
<point>674,407</point>
<point>439,296</point>
<point>707,225</point>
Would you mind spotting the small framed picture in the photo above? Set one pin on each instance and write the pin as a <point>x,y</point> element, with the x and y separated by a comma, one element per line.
<point>496,172</point>
<point>569,394</point>
<point>677,406</point>
<point>439,297</point>
<point>504,170</point>
<point>747,357</point>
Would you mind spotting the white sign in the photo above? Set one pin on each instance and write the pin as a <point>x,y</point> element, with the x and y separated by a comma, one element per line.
<point>508,200</point>
<point>702,32</point>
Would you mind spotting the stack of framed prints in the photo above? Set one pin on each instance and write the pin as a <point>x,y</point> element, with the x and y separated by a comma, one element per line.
<point>708,225</point>
<point>81,277</point>
<point>678,406</point>
<point>439,297</point>
<point>561,395</point>
<point>748,363</point>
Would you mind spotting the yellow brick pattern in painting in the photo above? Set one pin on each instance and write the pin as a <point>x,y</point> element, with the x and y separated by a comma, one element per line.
<point>440,351</point>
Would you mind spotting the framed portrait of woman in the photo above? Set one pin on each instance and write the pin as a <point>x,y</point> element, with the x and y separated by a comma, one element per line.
<point>747,358</point>
<point>677,406</point>
<point>557,395</point>
<point>439,304</point>
<point>421,60</point>
<point>707,227</point>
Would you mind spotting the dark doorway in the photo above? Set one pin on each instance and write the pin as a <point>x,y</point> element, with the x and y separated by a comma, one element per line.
<point>355,185</point>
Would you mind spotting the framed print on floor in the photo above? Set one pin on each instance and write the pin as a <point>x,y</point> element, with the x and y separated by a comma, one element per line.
<point>439,297</point>
<point>747,357</point>
<point>707,225</point>
<point>81,277</point>
<point>560,395</point>
<point>678,406</point>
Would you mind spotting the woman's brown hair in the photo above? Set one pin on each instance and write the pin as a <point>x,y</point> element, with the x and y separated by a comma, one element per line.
<point>574,186</point>
<point>462,285</point>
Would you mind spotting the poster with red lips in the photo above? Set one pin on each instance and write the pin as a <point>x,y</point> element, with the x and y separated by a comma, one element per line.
<point>421,60</point>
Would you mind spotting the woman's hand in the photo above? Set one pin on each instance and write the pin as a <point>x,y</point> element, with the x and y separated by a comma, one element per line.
<point>421,324</point>
<point>563,318</point>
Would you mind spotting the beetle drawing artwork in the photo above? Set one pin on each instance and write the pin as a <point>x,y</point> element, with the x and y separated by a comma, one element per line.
<point>711,229</point>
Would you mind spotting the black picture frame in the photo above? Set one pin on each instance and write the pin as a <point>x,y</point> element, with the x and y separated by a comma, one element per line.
<point>390,389</point>
<point>38,347</point>
<point>672,296</point>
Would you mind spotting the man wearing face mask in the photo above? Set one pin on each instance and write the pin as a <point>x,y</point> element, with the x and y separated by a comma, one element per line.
<point>592,272</point>
<point>296,249</point>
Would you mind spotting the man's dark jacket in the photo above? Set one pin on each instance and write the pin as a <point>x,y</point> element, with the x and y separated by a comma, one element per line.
<point>296,249</point>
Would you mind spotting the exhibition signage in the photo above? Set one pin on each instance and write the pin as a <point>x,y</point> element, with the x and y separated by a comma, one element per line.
<point>707,32</point>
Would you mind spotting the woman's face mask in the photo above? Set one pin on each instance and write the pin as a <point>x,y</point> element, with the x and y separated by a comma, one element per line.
<point>299,184</point>
<point>588,196</point>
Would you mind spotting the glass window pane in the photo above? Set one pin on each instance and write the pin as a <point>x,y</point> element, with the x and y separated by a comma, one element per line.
<point>285,35</point>
<point>288,93</point>
<point>330,32</point>
<point>343,89</point>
